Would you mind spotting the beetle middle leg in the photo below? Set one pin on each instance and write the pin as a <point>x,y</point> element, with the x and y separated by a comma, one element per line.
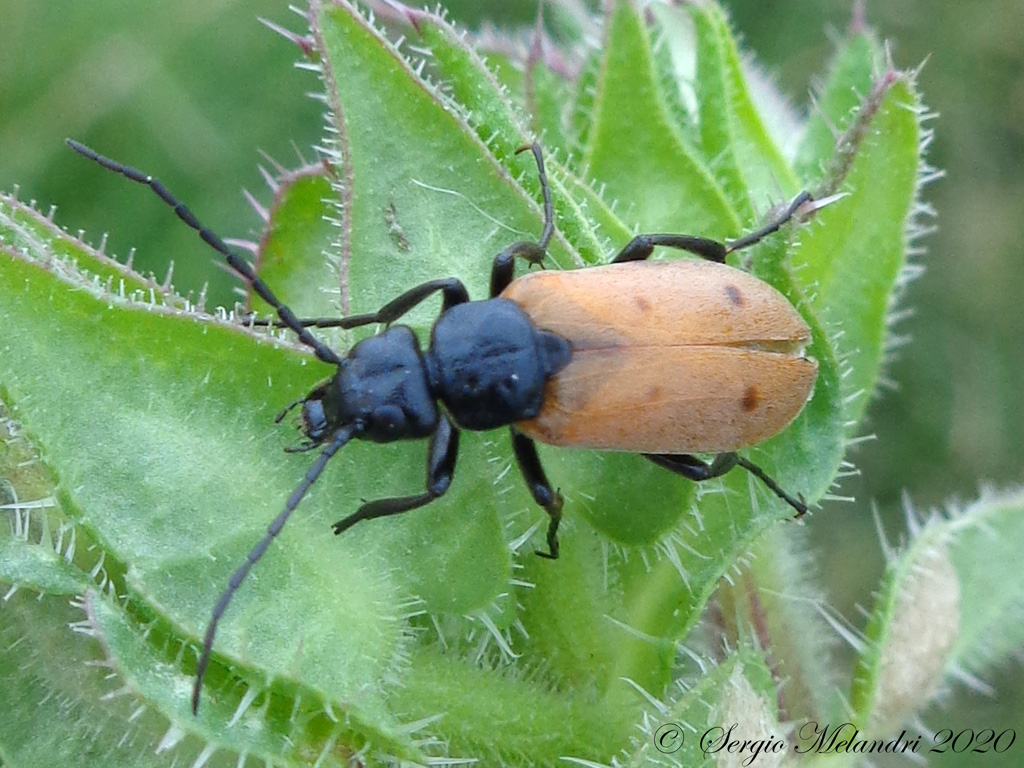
<point>503,268</point>
<point>441,457</point>
<point>692,468</point>
<point>525,451</point>
<point>642,246</point>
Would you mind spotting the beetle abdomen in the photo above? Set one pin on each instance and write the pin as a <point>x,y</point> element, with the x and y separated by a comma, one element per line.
<point>672,399</point>
<point>668,357</point>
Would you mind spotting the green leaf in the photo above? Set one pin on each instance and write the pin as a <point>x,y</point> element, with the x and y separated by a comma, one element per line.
<point>644,163</point>
<point>38,547</point>
<point>299,223</point>
<point>30,235</point>
<point>38,567</point>
<point>856,61</point>
<point>438,634</point>
<point>853,259</point>
<point>142,370</point>
<point>697,723</point>
<point>992,624</point>
<point>477,95</point>
<point>746,160</point>
<point>54,693</point>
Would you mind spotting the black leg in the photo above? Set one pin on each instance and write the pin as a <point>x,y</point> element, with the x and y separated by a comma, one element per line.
<point>452,291</point>
<point>341,437</point>
<point>537,481</point>
<point>641,246</point>
<point>305,322</point>
<point>761,234</point>
<point>694,469</point>
<point>503,268</point>
<point>797,503</point>
<point>444,450</point>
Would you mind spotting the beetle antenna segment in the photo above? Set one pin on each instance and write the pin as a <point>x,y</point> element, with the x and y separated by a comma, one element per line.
<point>288,409</point>
<point>288,318</point>
<point>755,237</point>
<point>341,437</point>
<point>549,211</point>
<point>798,503</point>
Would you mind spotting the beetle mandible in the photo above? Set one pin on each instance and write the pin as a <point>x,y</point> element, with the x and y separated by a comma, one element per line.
<point>660,358</point>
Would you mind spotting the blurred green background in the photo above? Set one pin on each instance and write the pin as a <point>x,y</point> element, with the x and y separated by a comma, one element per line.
<point>191,91</point>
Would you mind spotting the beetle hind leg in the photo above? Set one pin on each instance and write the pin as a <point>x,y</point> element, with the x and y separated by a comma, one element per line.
<point>798,503</point>
<point>503,269</point>
<point>525,451</point>
<point>694,469</point>
<point>642,246</point>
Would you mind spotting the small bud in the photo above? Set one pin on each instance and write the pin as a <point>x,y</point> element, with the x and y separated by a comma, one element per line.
<point>925,624</point>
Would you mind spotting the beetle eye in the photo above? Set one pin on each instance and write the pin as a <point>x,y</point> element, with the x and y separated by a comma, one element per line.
<point>388,422</point>
<point>314,422</point>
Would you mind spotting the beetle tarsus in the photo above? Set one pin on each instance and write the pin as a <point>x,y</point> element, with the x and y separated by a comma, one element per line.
<point>545,188</point>
<point>798,503</point>
<point>525,451</point>
<point>755,237</point>
<point>694,469</point>
<point>554,510</point>
<point>287,409</point>
<point>305,447</point>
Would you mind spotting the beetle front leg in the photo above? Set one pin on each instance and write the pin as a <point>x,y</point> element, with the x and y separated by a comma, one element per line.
<point>452,292</point>
<point>694,469</point>
<point>525,451</point>
<point>441,457</point>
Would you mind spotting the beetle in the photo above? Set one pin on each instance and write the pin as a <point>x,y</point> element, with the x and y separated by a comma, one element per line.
<point>661,358</point>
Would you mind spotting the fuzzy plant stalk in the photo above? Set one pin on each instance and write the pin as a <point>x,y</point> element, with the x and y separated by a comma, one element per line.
<point>141,459</point>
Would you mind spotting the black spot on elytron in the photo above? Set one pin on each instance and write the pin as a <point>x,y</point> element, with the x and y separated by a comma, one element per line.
<point>751,399</point>
<point>734,295</point>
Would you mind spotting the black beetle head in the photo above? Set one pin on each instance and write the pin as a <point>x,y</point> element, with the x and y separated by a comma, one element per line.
<point>380,388</point>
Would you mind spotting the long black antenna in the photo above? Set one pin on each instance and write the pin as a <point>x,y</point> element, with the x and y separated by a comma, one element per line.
<point>238,264</point>
<point>341,437</point>
<point>289,320</point>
